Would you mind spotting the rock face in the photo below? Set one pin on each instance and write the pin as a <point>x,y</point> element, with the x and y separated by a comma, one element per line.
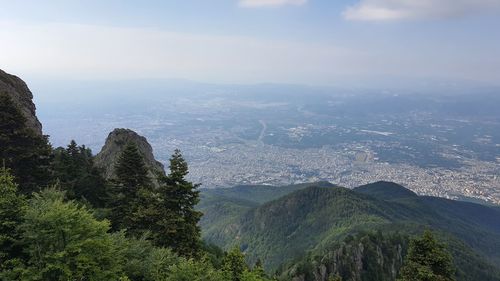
<point>116,142</point>
<point>22,96</point>
<point>356,260</point>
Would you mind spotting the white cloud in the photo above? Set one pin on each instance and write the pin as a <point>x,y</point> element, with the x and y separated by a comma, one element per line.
<point>390,10</point>
<point>269,3</point>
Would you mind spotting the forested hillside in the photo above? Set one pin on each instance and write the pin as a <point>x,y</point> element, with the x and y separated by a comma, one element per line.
<point>61,219</point>
<point>336,228</point>
<point>66,214</point>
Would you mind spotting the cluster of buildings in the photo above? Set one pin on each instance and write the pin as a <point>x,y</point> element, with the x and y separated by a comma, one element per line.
<point>353,165</point>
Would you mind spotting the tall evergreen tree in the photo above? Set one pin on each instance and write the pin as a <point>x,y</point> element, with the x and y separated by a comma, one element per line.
<point>130,168</point>
<point>25,153</point>
<point>74,170</point>
<point>132,193</point>
<point>179,223</point>
<point>12,206</point>
<point>427,260</point>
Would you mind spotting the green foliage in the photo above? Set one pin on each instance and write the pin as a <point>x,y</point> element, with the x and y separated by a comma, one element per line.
<point>132,193</point>
<point>143,261</point>
<point>192,270</point>
<point>318,220</point>
<point>335,278</point>
<point>258,269</point>
<point>249,275</point>
<point>259,194</point>
<point>24,152</point>
<point>131,171</point>
<point>385,190</point>
<point>220,214</point>
<point>307,218</point>
<point>160,263</point>
<point>427,260</point>
<point>214,254</point>
<point>134,254</point>
<point>364,256</point>
<point>12,206</point>
<point>178,224</point>
<point>65,242</point>
<point>75,172</point>
<point>315,229</point>
<point>234,265</point>
<point>256,274</point>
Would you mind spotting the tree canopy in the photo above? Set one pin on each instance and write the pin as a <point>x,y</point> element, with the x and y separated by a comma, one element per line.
<point>427,260</point>
<point>24,152</point>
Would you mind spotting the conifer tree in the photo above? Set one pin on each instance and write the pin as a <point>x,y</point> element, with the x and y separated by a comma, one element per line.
<point>178,227</point>
<point>12,206</point>
<point>427,260</point>
<point>25,153</point>
<point>131,170</point>
<point>74,170</point>
<point>132,194</point>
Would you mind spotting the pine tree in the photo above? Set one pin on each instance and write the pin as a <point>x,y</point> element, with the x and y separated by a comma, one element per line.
<point>133,199</point>
<point>25,153</point>
<point>74,171</point>
<point>12,206</point>
<point>427,260</point>
<point>131,170</point>
<point>178,227</point>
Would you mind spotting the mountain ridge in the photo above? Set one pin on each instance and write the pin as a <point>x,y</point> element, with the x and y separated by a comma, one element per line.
<point>307,222</point>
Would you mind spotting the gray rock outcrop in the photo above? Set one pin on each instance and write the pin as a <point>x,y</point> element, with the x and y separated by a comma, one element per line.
<point>22,96</point>
<point>115,144</point>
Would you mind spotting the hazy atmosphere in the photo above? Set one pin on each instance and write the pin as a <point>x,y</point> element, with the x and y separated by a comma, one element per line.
<point>250,140</point>
<point>252,41</point>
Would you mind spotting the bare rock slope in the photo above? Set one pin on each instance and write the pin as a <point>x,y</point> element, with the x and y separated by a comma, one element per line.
<point>22,96</point>
<point>115,144</point>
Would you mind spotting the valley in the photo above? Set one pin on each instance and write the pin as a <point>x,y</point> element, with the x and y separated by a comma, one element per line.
<point>266,134</point>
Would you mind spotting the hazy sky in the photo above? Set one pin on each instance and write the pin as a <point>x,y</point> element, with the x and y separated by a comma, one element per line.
<point>248,41</point>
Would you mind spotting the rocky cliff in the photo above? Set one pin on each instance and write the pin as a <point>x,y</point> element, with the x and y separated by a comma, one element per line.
<point>22,96</point>
<point>116,142</point>
<point>368,256</point>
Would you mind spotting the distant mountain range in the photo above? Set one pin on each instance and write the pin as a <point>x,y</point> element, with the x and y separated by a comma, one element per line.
<point>308,231</point>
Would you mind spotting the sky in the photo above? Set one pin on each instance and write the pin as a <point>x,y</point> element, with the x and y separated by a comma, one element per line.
<point>315,42</point>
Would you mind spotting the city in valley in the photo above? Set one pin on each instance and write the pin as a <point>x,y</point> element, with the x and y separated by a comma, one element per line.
<point>278,135</point>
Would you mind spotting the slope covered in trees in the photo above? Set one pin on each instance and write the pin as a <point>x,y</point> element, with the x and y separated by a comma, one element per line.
<point>22,149</point>
<point>312,228</point>
<point>61,219</point>
<point>65,217</point>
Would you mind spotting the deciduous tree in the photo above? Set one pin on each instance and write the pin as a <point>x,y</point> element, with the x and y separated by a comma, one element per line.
<point>65,242</point>
<point>12,207</point>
